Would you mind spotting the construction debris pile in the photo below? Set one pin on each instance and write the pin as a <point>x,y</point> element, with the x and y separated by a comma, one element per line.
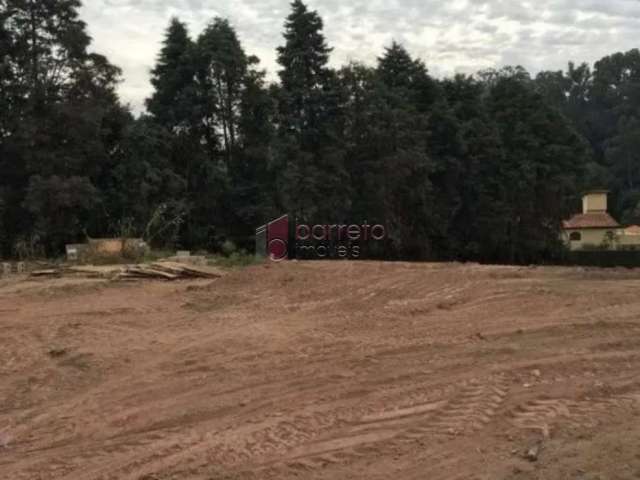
<point>162,270</point>
<point>169,271</point>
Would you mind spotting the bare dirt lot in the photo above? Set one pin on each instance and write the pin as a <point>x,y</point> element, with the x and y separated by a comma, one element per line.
<point>324,370</point>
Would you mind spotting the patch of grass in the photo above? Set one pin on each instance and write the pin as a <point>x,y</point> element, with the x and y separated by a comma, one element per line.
<point>234,260</point>
<point>155,255</point>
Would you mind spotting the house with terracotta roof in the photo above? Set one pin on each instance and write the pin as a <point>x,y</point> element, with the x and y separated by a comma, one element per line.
<point>594,228</point>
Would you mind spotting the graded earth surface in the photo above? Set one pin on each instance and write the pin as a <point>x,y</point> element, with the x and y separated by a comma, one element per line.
<point>324,370</point>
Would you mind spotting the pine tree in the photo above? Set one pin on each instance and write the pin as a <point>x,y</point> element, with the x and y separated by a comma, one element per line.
<point>253,195</point>
<point>222,70</point>
<point>237,113</point>
<point>313,181</point>
<point>401,125</point>
<point>173,79</point>
<point>304,76</point>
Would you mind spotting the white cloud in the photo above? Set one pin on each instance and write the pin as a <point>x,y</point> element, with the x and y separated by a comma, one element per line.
<point>450,36</point>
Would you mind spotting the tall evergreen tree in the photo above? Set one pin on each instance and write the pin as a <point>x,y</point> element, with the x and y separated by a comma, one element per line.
<point>222,70</point>
<point>236,113</point>
<point>310,158</point>
<point>404,162</point>
<point>173,79</point>
<point>253,196</point>
<point>400,72</point>
<point>304,75</point>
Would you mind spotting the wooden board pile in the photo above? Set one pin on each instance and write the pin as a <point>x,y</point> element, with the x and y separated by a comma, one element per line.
<point>158,270</point>
<point>168,271</point>
<point>84,271</point>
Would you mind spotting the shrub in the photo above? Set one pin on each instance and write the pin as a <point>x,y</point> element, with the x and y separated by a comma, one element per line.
<point>229,248</point>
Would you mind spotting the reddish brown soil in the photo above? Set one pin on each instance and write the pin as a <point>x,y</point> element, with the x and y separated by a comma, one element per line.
<point>356,370</point>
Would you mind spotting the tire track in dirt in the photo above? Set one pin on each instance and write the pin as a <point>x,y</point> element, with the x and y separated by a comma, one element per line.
<point>470,409</point>
<point>230,448</point>
<point>310,441</point>
<point>97,459</point>
<point>542,414</point>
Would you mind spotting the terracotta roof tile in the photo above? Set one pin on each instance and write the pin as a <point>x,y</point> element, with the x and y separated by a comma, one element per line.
<point>591,220</point>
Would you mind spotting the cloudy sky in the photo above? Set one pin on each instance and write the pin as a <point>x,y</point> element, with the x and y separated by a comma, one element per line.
<point>449,35</point>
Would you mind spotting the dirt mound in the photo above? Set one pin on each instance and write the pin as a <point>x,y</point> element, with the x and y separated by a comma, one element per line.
<point>329,370</point>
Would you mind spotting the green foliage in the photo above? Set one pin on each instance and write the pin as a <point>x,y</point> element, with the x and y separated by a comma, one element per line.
<point>173,79</point>
<point>235,260</point>
<point>59,122</point>
<point>60,208</point>
<point>480,167</point>
<point>303,59</point>
<point>142,177</point>
<point>309,156</point>
<point>544,160</point>
<point>229,248</point>
<point>163,227</point>
<point>221,74</point>
<point>604,105</point>
<point>155,254</point>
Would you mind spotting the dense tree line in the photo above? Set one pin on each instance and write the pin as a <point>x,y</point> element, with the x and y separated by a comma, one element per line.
<point>480,167</point>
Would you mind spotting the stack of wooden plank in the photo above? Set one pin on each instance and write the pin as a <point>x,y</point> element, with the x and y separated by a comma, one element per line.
<point>95,271</point>
<point>51,272</point>
<point>169,271</point>
<point>163,270</point>
<point>46,270</point>
<point>83,271</point>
